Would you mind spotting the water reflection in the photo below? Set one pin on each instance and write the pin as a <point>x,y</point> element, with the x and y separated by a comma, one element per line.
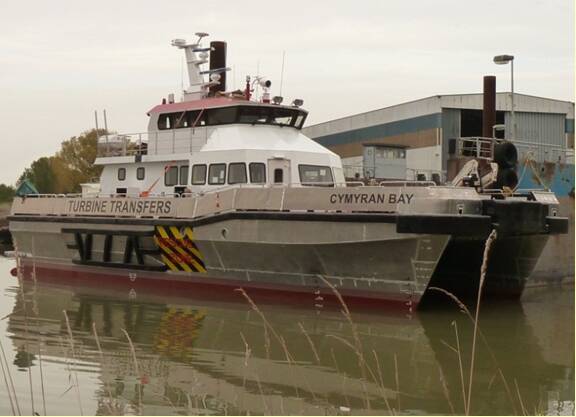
<point>196,356</point>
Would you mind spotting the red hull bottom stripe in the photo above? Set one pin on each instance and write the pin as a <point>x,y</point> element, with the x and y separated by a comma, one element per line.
<point>202,287</point>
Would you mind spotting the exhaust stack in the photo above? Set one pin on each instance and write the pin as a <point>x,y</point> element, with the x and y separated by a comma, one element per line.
<point>218,61</point>
<point>489,108</point>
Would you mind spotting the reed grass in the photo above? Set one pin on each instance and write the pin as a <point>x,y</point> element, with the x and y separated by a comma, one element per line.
<point>114,407</point>
<point>277,336</point>
<point>467,312</point>
<point>460,367</point>
<point>42,376</point>
<point>310,342</point>
<point>491,238</point>
<point>445,390</point>
<point>73,352</point>
<point>8,390</point>
<point>520,398</point>
<point>397,379</point>
<point>136,369</point>
<point>358,348</point>
<point>11,380</point>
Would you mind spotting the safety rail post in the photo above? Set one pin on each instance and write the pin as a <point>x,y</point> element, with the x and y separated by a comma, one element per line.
<point>173,139</point>
<point>233,208</point>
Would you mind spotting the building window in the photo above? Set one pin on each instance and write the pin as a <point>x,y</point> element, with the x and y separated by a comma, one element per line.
<point>315,175</point>
<point>278,176</point>
<point>171,176</point>
<point>237,173</point>
<point>217,174</point>
<point>257,173</point>
<point>199,174</point>
<point>184,175</point>
<point>121,174</point>
<point>140,173</point>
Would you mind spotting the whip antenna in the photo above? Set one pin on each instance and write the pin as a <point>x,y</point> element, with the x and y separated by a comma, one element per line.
<point>282,71</point>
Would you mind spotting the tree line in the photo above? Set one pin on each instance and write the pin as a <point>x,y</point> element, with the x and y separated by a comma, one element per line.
<point>64,171</point>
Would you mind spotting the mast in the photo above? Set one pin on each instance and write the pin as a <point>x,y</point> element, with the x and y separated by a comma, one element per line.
<point>196,55</point>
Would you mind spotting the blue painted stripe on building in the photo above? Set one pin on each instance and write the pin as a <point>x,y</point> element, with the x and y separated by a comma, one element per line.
<point>429,121</point>
<point>569,125</point>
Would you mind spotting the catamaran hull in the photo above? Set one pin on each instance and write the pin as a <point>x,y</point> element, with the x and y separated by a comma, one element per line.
<point>362,261</point>
<point>511,261</point>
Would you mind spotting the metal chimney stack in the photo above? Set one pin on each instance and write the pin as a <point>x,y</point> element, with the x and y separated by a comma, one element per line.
<point>217,61</point>
<point>489,108</point>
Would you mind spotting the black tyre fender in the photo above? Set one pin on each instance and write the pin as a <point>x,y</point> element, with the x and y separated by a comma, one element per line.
<point>506,177</point>
<point>505,154</point>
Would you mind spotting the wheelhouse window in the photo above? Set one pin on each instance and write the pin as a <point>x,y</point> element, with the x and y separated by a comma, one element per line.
<point>221,116</point>
<point>257,173</point>
<point>184,175</point>
<point>166,121</point>
<point>217,174</point>
<point>195,118</point>
<point>199,174</point>
<point>273,115</point>
<point>140,173</point>
<point>315,175</point>
<point>171,176</point>
<point>121,174</point>
<point>237,173</point>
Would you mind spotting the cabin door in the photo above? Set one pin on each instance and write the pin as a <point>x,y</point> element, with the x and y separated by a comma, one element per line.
<point>279,171</point>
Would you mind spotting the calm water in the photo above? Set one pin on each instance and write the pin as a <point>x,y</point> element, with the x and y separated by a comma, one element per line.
<point>207,357</point>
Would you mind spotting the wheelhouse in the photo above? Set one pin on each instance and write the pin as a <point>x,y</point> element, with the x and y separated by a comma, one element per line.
<point>247,114</point>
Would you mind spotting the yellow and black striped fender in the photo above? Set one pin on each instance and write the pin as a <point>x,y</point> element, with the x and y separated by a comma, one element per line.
<point>178,250</point>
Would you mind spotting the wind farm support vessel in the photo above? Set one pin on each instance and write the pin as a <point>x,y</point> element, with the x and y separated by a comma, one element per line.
<point>224,191</point>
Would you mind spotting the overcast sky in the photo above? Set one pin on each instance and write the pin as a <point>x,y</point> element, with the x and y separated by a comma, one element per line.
<point>60,60</point>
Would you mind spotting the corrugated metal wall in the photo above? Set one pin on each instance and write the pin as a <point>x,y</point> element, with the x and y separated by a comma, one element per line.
<point>545,128</point>
<point>450,129</point>
<point>546,131</point>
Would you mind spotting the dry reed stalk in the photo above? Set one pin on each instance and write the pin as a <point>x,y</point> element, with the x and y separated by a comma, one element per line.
<point>390,409</point>
<point>460,367</point>
<point>279,338</point>
<point>111,407</point>
<point>247,353</point>
<point>42,376</point>
<point>266,409</point>
<point>314,351</point>
<point>465,310</point>
<point>445,390</point>
<point>10,379</point>
<point>73,351</point>
<point>7,388</point>
<point>358,345</point>
<point>136,369</point>
<point>397,381</point>
<point>343,377</point>
<point>26,337</point>
<point>489,241</point>
<point>520,398</point>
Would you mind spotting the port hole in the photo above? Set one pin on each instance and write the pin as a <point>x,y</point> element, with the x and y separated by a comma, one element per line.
<point>460,209</point>
<point>224,233</point>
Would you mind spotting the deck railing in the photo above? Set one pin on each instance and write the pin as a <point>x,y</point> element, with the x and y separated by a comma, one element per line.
<point>153,143</point>
<point>483,148</point>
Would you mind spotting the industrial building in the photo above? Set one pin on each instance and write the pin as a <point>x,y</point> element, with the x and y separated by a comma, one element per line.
<point>411,140</point>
